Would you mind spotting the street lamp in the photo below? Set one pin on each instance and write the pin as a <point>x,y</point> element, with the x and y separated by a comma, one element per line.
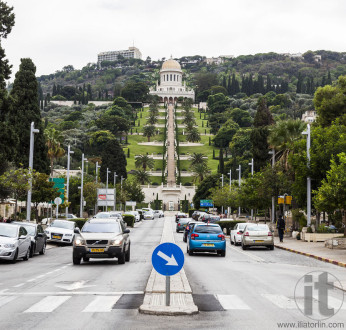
<point>81,187</point>
<point>272,152</point>
<point>108,171</point>
<point>308,179</point>
<point>251,164</point>
<point>96,169</point>
<point>121,187</point>
<point>31,161</point>
<point>115,191</point>
<point>221,177</point>
<point>69,152</point>
<point>239,182</point>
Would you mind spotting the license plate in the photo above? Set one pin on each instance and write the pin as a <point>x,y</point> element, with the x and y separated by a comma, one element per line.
<point>56,237</point>
<point>208,244</point>
<point>258,241</point>
<point>97,250</point>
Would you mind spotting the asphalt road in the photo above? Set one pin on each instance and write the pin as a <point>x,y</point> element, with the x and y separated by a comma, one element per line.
<point>251,289</point>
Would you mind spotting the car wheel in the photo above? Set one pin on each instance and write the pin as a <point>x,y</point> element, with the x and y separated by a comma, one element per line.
<point>43,251</point>
<point>32,250</point>
<point>190,253</point>
<point>177,231</point>
<point>271,247</point>
<point>223,253</point>
<point>86,259</point>
<point>76,260</point>
<point>127,255</point>
<point>27,256</point>
<point>243,247</point>
<point>121,258</point>
<point>14,260</point>
<point>230,239</point>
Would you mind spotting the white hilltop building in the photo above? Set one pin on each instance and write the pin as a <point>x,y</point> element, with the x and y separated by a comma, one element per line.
<point>171,84</point>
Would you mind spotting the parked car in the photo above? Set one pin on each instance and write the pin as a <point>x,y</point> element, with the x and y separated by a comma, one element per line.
<point>148,215</point>
<point>180,215</point>
<point>14,242</point>
<point>135,214</point>
<point>201,215</point>
<point>188,229</point>
<point>37,235</point>
<point>195,215</point>
<point>257,235</point>
<point>100,238</point>
<point>158,214</point>
<point>182,224</point>
<point>102,215</point>
<point>237,232</point>
<point>61,231</point>
<point>206,238</point>
<point>210,218</point>
<point>115,214</point>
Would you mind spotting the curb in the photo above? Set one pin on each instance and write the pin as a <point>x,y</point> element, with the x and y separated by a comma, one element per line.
<point>331,261</point>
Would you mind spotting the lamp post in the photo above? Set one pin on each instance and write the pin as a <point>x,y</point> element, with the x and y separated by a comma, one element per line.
<point>81,188</point>
<point>97,166</point>
<point>121,187</point>
<point>230,189</point>
<point>251,164</point>
<point>108,171</point>
<point>272,152</point>
<point>239,182</point>
<point>69,152</point>
<point>308,179</point>
<point>115,191</point>
<point>33,130</point>
<point>221,177</point>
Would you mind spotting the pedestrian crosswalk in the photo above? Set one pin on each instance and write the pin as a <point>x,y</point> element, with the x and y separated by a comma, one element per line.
<point>106,303</point>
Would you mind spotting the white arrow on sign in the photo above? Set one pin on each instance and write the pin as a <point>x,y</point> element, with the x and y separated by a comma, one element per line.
<point>170,260</point>
<point>72,285</point>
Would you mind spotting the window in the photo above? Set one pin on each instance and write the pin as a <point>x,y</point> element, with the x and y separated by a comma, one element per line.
<point>164,78</point>
<point>208,229</point>
<point>167,77</point>
<point>174,77</point>
<point>171,77</point>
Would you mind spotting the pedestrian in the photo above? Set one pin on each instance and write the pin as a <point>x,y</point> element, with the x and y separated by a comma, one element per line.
<point>281,227</point>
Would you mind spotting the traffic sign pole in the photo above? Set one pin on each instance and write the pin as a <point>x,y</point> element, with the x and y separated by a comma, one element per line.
<point>168,290</point>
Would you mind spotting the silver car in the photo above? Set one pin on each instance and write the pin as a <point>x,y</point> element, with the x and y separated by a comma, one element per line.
<point>257,235</point>
<point>14,242</point>
<point>237,232</point>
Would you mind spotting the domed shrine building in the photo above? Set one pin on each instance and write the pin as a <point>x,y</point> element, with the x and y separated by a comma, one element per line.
<point>171,84</point>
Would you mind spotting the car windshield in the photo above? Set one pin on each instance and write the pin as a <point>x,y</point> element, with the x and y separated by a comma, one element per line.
<point>215,218</point>
<point>8,231</point>
<point>241,226</point>
<point>258,228</point>
<point>102,215</point>
<point>63,224</point>
<point>184,221</point>
<point>208,229</point>
<point>101,228</point>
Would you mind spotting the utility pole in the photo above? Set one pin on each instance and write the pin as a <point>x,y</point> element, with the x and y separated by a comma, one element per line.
<point>69,152</point>
<point>33,130</point>
<point>221,177</point>
<point>81,188</point>
<point>239,183</point>
<point>230,189</point>
<point>308,179</point>
<point>115,191</point>
<point>108,171</point>
<point>272,152</point>
<point>121,187</point>
<point>251,164</point>
<point>97,166</point>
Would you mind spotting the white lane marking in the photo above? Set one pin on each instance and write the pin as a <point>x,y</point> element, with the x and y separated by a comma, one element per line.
<point>231,302</point>
<point>101,304</point>
<point>250,255</point>
<point>280,301</point>
<point>31,280</point>
<point>40,276</point>
<point>49,273</point>
<point>64,293</point>
<point>47,304</point>
<point>4,290</point>
<point>19,285</point>
<point>6,300</point>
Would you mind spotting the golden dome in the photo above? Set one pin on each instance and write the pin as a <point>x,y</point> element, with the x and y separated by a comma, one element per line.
<point>171,64</point>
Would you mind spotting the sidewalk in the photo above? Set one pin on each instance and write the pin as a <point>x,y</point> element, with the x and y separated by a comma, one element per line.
<point>181,294</point>
<point>315,250</point>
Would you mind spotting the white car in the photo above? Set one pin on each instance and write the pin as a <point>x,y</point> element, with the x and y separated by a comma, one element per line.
<point>135,214</point>
<point>158,214</point>
<point>148,215</point>
<point>14,242</point>
<point>61,231</point>
<point>237,232</point>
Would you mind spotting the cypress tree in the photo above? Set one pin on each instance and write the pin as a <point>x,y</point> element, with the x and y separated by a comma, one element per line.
<point>229,86</point>
<point>329,79</point>
<point>209,140</point>
<point>300,83</point>
<point>323,81</point>
<point>54,90</point>
<point>213,152</point>
<point>250,85</point>
<point>128,153</point>
<point>26,110</point>
<point>221,162</point>
<point>269,84</point>
<point>224,84</point>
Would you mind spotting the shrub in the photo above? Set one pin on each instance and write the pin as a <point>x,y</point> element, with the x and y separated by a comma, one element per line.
<point>309,230</point>
<point>129,219</point>
<point>229,225</point>
<point>155,184</point>
<point>187,184</point>
<point>79,222</point>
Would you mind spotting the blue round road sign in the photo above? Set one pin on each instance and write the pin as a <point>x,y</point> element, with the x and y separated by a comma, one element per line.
<point>168,259</point>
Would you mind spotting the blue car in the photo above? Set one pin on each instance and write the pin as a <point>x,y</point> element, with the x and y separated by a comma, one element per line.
<point>206,238</point>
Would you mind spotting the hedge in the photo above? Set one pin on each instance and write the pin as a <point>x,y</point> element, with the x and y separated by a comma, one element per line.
<point>229,225</point>
<point>79,222</point>
<point>129,219</point>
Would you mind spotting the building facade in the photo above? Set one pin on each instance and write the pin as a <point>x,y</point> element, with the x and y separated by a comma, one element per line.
<point>171,84</point>
<point>132,52</point>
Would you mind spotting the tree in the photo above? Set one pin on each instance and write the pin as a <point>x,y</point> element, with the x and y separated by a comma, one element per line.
<point>135,92</point>
<point>197,158</point>
<point>26,110</point>
<point>149,131</point>
<point>225,134</point>
<point>221,162</point>
<point>144,161</point>
<point>99,139</point>
<point>114,159</point>
<point>54,140</point>
<point>90,193</point>
<point>203,190</point>
<point>193,135</point>
<point>200,170</point>
<point>241,117</point>
<point>133,190</point>
<point>114,124</point>
<point>142,176</point>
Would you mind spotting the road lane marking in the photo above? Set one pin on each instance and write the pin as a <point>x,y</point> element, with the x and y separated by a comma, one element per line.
<point>231,302</point>
<point>101,304</point>
<point>6,300</point>
<point>3,291</point>
<point>64,293</point>
<point>31,280</point>
<point>250,255</point>
<point>40,276</point>
<point>280,301</point>
<point>19,285</point>
<point>47,304</point>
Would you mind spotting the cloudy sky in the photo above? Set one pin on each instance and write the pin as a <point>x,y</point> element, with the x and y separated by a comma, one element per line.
<point>55,33</point>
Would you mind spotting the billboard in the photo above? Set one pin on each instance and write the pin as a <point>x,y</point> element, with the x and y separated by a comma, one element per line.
<point>105,197</point>
<point>206,203</point>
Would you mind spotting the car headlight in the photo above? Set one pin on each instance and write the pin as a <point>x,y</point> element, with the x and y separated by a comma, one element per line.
<point>117,241</point>
<point>9,246</point>
<point>68,234</point>
<point>79,241</point>
<point>47,232</point>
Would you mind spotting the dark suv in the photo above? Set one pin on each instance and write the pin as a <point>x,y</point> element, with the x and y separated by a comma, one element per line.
<point>180,215</point>
<point>102,238</point>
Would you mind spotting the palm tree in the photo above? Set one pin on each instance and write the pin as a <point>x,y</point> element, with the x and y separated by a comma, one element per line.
<point>142,176</point>
<point>200,172</point>
<point>197,158</point>
<point>282,137</point>
<point>144,161</point>
<point>193,135</point>
<point>54,140</point>
<point>152,119</point>
<point>149,131</point>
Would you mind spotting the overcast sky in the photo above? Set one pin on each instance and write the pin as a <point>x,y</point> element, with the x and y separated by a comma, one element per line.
<point>55,33</point>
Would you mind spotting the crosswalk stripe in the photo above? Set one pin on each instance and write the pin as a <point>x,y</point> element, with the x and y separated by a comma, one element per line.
<point>231,302</point>
<point>47,304</point>
<point>280,301</point>
<point>101,304</point>
<point>5,300</point>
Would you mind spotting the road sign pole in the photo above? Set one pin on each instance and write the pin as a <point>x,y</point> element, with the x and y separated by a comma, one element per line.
<point>168,290</point>
<point>57,211</point>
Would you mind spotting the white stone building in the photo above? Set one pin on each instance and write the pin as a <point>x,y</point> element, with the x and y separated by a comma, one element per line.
<point>171,84</point>
<point>132,52</point>
<point>309,116</point>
